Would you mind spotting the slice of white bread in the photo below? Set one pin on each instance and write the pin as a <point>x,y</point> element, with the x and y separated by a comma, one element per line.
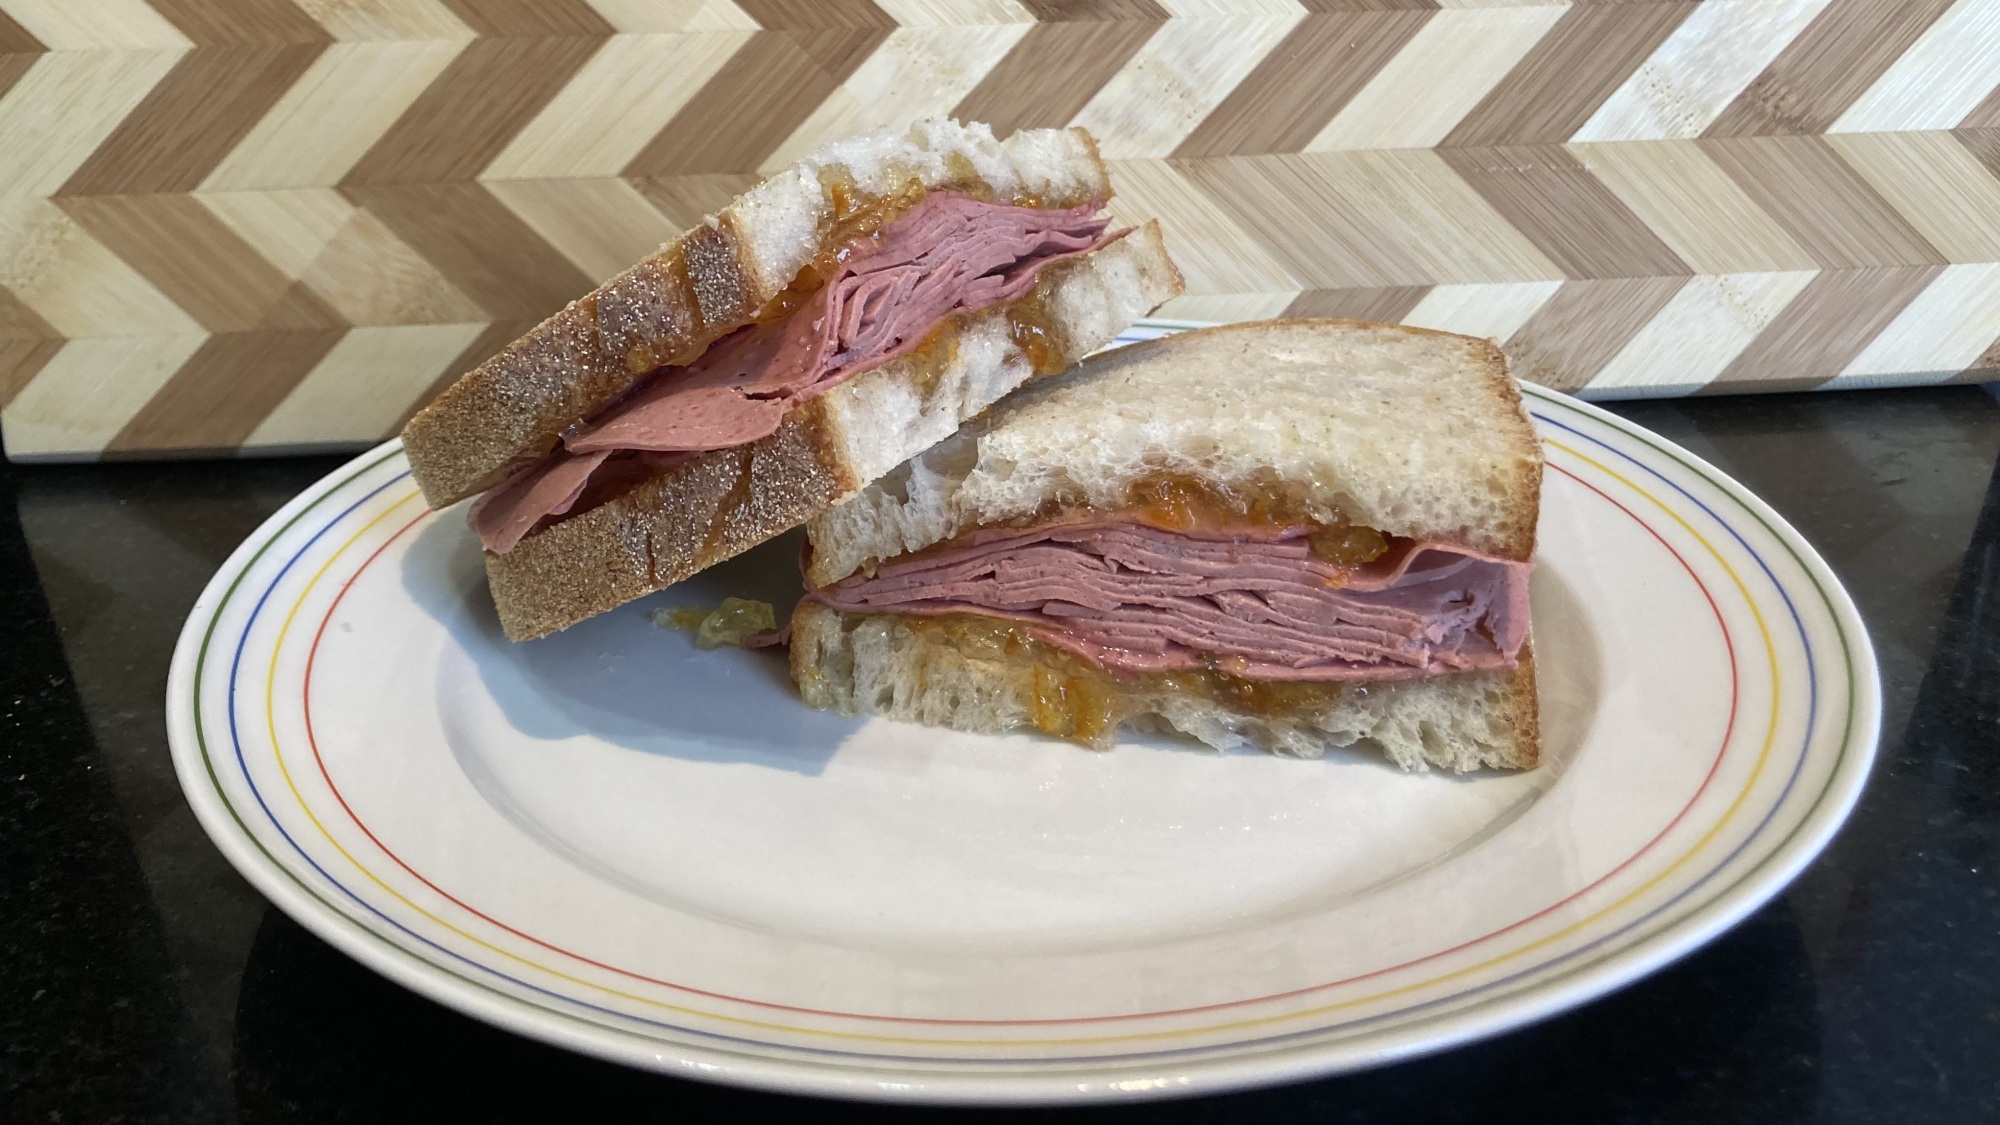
<point>1407,431</point>
<point>881,663</point>
<point>712,280</point>
<point>720,504</point>
<point>1410,432</point>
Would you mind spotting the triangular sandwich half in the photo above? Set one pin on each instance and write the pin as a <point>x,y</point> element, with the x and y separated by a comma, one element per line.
<point>1293,535</point>
<point>840,317</point>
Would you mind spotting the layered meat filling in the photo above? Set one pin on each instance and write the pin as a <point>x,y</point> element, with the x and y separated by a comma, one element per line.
<point>1128,597</point>
<point>879,300</point>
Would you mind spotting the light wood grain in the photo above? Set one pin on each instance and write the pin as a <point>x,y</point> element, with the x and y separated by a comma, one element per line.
<point>1951,199</point>
<point>1945,73</point>
<point>362,21</point>
<point>369,382</point>
<point>1408,104</point>
<point>371,276</point>
<point>624,95</point>
<point>1699,69</point>
<point>1939,334</point>
<point>64,25</point>
<point>314,213</point>
<point>602,225</point>
<point>75,283</point>
<point>1493,311</point>
<point>80,399</point>
<point>1215,254</point>
<point>332,115</point>
<point>289,228</point>
<point>916,72</point>
<point>64,107</point>
<point>1177,79</point>
<point>1709,321</point>
<point>1691,203</point>
<point>639,17</point>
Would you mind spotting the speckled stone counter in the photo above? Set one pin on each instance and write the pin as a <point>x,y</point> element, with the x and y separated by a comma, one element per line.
<point>142,980</point>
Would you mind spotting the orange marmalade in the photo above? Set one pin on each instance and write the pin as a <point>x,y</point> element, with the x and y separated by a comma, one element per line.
<point>857,224</point>
<point>1074,699</point>
<point>1191,505</point>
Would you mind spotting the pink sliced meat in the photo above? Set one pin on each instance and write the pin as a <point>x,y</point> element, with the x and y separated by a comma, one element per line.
<point>1139,599</point>
<point>510,510</point>
<point>949,254</point>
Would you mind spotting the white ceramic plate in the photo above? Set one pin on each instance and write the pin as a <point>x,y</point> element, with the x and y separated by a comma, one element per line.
<point>614,842</point>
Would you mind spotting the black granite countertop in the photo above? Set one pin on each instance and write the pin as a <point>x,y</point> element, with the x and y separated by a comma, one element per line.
<point>142,980</point>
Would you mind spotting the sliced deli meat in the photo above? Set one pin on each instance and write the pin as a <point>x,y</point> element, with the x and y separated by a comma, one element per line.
<point>949,254</point>
<point>1134,598</point>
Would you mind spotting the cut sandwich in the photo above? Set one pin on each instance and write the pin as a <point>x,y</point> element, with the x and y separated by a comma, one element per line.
<point>838,318</point>
<point>1292,535</point>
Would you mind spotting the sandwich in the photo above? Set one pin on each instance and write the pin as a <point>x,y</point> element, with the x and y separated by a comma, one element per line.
<point>836,319</point>
<point>1289,535</point>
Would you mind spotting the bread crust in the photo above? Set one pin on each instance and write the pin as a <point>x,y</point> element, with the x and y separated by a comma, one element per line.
<point>719,504</point>
<point>673,525</point>
<point>511,409</point>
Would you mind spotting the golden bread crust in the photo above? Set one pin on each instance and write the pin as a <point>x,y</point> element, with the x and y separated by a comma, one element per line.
<point>677,523</point>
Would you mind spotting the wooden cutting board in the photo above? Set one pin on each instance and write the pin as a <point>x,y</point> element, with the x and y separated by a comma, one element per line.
<point>280,224</point>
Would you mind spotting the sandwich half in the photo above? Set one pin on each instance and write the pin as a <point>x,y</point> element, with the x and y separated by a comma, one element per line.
<point>840,317</point>
<point>1292,535</point>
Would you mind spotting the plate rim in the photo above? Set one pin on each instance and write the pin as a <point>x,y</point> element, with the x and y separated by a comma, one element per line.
<point>1028,1082</point>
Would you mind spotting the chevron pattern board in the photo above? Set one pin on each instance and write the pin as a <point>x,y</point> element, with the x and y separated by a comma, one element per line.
<point>264,225</point>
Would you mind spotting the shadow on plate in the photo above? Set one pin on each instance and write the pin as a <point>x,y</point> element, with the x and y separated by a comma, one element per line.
<point>620,678</point>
